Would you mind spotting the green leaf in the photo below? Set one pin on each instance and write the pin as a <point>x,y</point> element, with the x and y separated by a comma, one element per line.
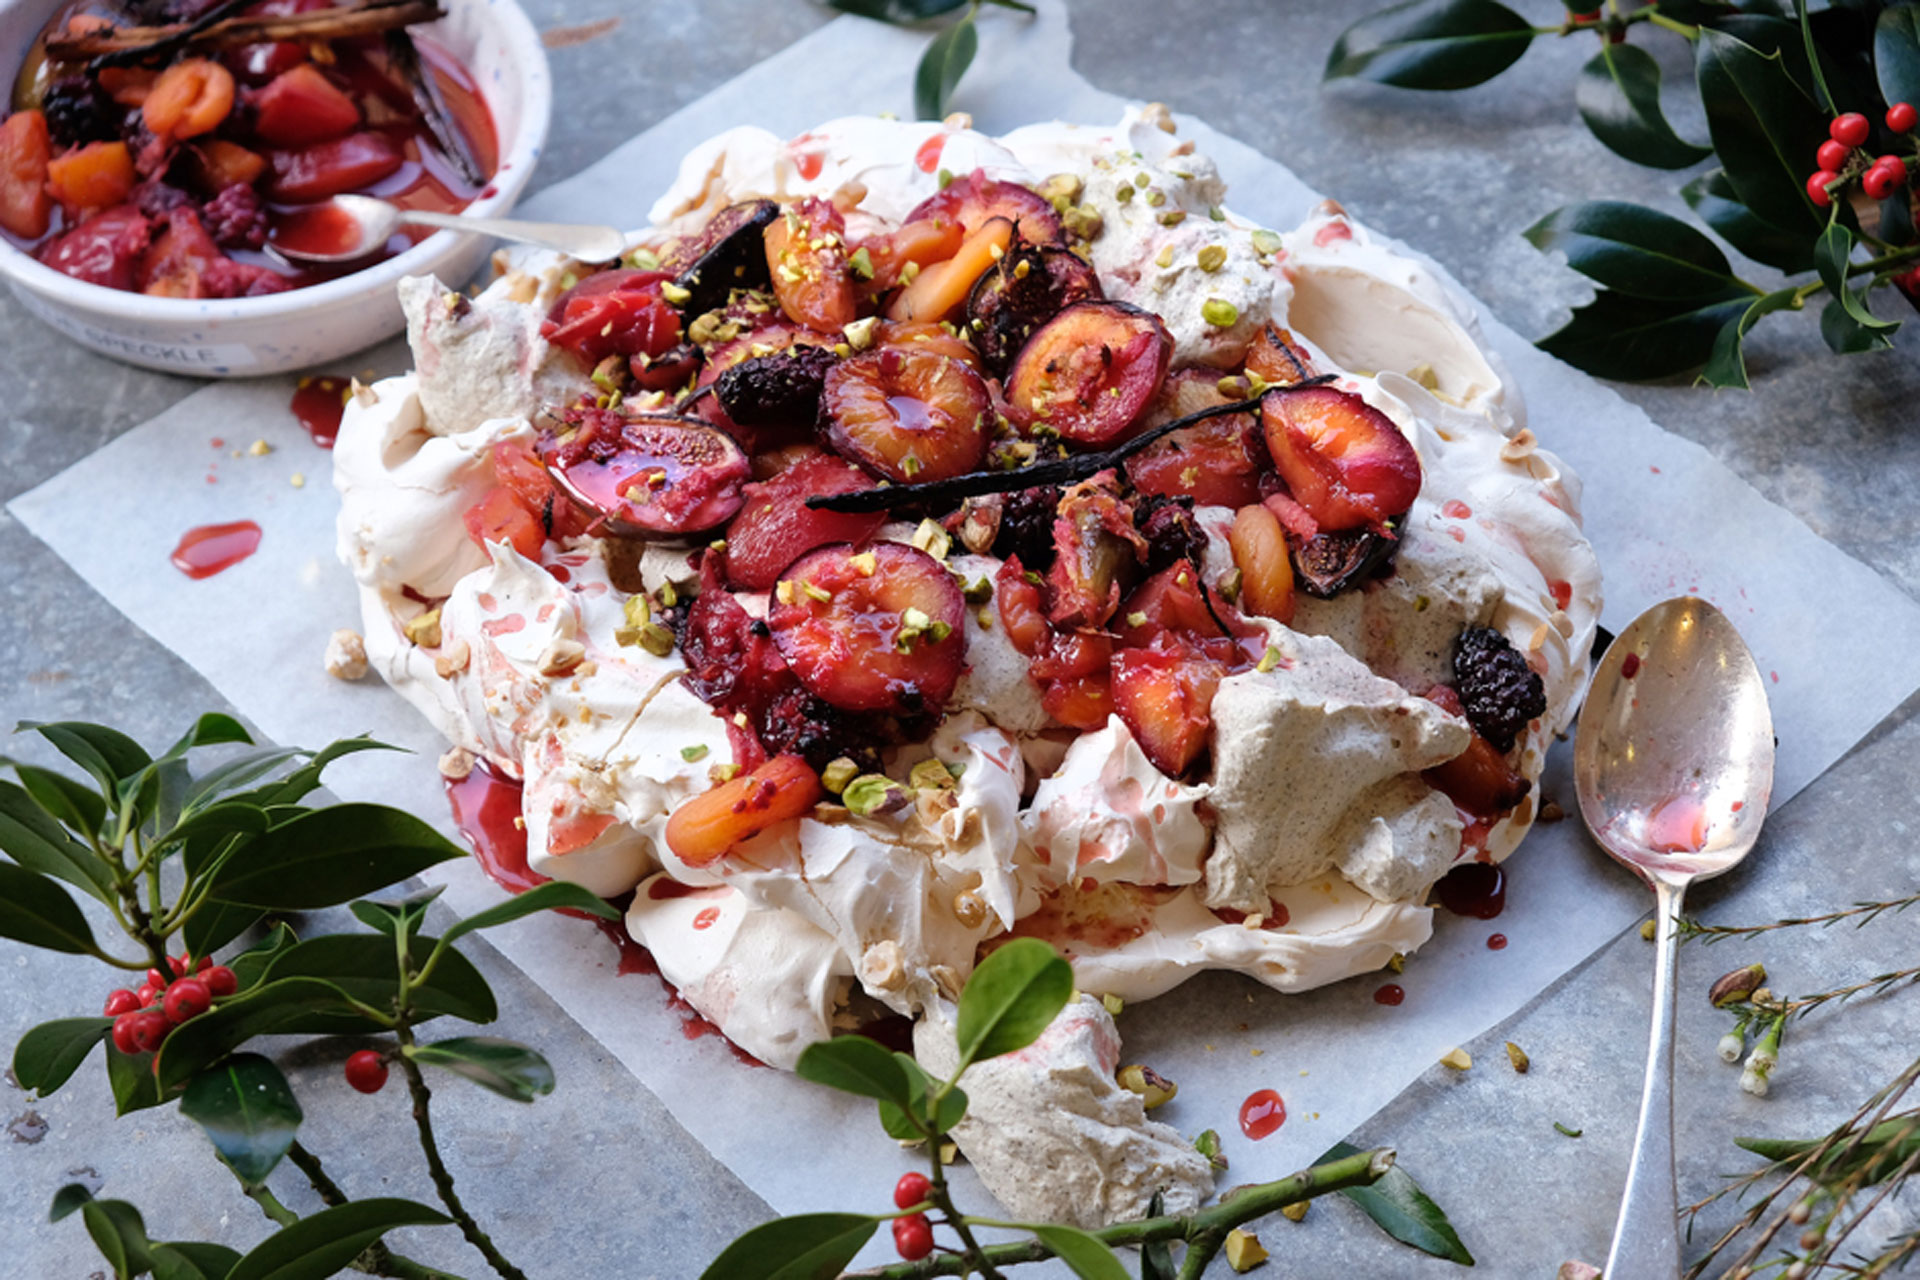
<point>211,729</point>
<point>75,804</point>
<point>216,924</point>
<point>322,1243</point>
<point>67,1199</point>
<point>894,1119</point>
<point>941,67</point>
<point>1637,340</point>
<point>329,856</point>
<point>1846,336</point>
<point>1618,94</point>
<point>554,893</point>
<point>856,1065</point>
<point>49,1054</point>
<point>31,837</point>
<point>1637,251</point>
<point>899,12</point>
<point>391,917</point>
<point>119,1234</point>
<point>239,772</point>
<point>1832,255</point>
<point>107,754</point>
<point>1012,996</point>
<point>130,1077</point>
<point>1764,127</point>
<point>249,1112</point>
<point>38,912</point>
<point>1727,366</point>
<point>1896,54</point>
<point>1088,1257</point>
<point>1712,197</point>
<point>1156,1256</point>
<point>1401,1209</point>
<point>809,1246</point>
<point>282,1005</point>
<point>304,780</point>
<point>193,1260</point>
<point>250,966</point>
<point>364,966</point>
<point>508,1069</point>
<point>1431,44</point>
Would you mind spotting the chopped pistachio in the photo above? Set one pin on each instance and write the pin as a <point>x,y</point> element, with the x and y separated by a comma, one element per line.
<point>1398,964</point>
<point>910,466</point>
<point>1164,258</point>
<point>931,774</point>
<point>909,273</point>
<point>1571,1133</point>
<point>838,773</point>
<point>940,630</point>
<point>1173,217</point>
<point>298,480</point>
<point>1268,660</point>
<point>816,592</point>
<point>695,753</point>
<point>1244,1250</point>
<point>873,793</point>
<point>1083,222</point>
<point>860,332</point>
<point>641,258</point>
<point>1219,313</point>
<point>1267,242</point>
<point>1154,1089</point>
<point>674,294</point>
<point>984,616</point>
<point>1123,194</point>
<point>424,629</point>
<point>1648,929</point>
<point>1141,180</point>
<point>860,262</point>
<point>656,640</point>
<point>915,618</point>
<point>1113,1004</point>
<point>931,538</point>
<point>724,772</point>
<point>865,563</point>
<point>1518,1057</point>
<point>783,591</point>
<point>1296,1212</point>
<point>945,178</point>
<point>1213,257</point>
<point>669,595</point>
<point>979,591</point>
<point>1021,270</point>
<point>1216,213</point>
<point>1136,619</point>
<point>1457,1059</point>
<point>1156,198</point>
<point>1208,1145</point>
<point>606,374</point>
<point>1229,584</point>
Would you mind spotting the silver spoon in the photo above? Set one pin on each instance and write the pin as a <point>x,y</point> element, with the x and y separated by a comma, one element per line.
<point>360,225</point>
<point>1673,763</point>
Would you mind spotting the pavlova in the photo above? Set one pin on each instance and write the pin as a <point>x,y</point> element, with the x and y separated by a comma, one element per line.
<point>921,539</point>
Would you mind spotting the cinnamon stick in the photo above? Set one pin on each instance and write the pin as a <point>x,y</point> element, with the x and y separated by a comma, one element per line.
<point>121,45</point>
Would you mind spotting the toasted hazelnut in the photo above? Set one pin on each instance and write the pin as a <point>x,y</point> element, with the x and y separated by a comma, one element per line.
<point>424,629</point>
<point>883,966</point>
<point>454,660</point>
<point>562,656</point>
<point>346,657</point>
<point>969,910</point>
<point>1457,1059</point>
<point>456,763</point>
<point>1522,445</point>
<point>1157,115</point>
<point>1244,1250</point>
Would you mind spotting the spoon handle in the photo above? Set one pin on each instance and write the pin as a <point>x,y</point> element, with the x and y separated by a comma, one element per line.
<point>589,244</point>
<point>1646,1239</point>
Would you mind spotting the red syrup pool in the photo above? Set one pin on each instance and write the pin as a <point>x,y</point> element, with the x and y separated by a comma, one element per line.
<point>1498,942</point>
<point>318,404</point>
<point>1261,1114</point>
<point>1475,889</point>
<point>486,809</point>
<point>206,550</point>
<point>1390,994</point>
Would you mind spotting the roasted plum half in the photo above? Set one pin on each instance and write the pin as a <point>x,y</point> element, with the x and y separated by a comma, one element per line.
<point>1164,695</point>
<point>973,200</point>
<point>647,476</point>
<point>1342,459</point>
<point>1217,462</point>
<point>775,524</point>
<point>728,253</point>
<point>1089,372</point>
<point>909,416</point>
<point>878,629</point>
<point>1025,289</point>
<point>806,253</point>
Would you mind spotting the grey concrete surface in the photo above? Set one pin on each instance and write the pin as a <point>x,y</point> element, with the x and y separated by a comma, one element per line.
<point>598,1179</point>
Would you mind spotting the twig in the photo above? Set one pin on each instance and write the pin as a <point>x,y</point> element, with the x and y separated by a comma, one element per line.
<point>119,45</point>
<point>1204,1230</point>
<point>437,1169</point>
<point>376,1259</point>
<point>1866,912</point>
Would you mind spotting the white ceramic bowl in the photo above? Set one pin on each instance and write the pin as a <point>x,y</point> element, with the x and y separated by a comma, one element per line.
<point>244,337</point>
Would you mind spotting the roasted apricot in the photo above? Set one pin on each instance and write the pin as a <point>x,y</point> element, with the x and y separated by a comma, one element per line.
<point>501,516</point>
<point>806,252</point>
<point>1266,571</point>
<point>916,244</point>
<point>709,826</point>
<point>647,475</point>
<point>775,525</point>
<point>874,629</point>
<point>225,164</point>
<point>91,177</point>
<point>909,416</point>
<point>940,292</point>
<point>1089,371</point>
<point>25,152</point>
<point>190,98</point>
<point>1343,460</point>
<point>975,199</point>
<point>1275,358</point>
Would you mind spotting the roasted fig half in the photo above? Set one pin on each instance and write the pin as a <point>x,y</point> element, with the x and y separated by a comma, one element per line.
<point>1329,563</point>
<point>1089,372</point>
<point>1030,286</point>
<point>976,198</point>
<point>728,253</point>
<point>646,476</point>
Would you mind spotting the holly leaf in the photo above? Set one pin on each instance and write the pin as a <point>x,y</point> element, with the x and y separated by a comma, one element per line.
<point>68,1199</point>
<point>65,800</point>
<point>1010,999</point>
<point>238,772</point>
<point>1618,95</point>
<point>1431,44</point>
<point>808,1246</point>
<point>249,1112</point>
<point>322,1243</point>
<point>120,1235</point>
<point>38,912</point>
<point>250,966</point>
<point>302,781</point>
<point>211,729</point>
<point>856,1065</point>
<point>1727,365</point>
<point>193,1260</point>
<point>1401,1209</point>
<point>391,918</point>
<point>1088,1257</point>
<point>900,13</point>
<point>30,836</point>
<point>282,1005</point>
<point>108,755</point>
<point>1764,128</point>
<point>1640,339</point>
<point>130,1077</point>
<point>553,894</point>
<point>1845,335</point>
<point>508,1069</point>
<point>913,1123</point>
<point>1712,197</point>
<point>1896,54</point>
<point>1864,331</point>
<point>49,1054</point>
<point>941,67</point>
<point>1638,251</point>
<point>364,967</point>
<point>329,856</point>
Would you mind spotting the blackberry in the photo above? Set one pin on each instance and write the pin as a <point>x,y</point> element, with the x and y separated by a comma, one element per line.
<point>782,389</point>
<point>78,112</point>
<point>1026,527</point>
<point>235,218</point>
<point>1171,532</point>
<point>797,722</point>
<point>157,199</point>
<point>1497,688</point>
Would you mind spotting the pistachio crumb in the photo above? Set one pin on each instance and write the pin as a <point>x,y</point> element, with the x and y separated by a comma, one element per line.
<point>838,773</point>
<point>1267,242</point>
<point>424,628</point>
<point>675,294</point>
<point>1296,1212</point>
<point>1518,1057</point>
<point>694,753</point>
<point>1213,257</point>
<point>1219,313</point>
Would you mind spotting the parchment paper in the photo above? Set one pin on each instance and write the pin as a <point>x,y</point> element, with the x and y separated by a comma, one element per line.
<point>1664,516</point>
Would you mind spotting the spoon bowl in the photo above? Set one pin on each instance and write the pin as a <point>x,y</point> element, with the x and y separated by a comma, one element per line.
<point>349,228</point>
<point>1673,764</point>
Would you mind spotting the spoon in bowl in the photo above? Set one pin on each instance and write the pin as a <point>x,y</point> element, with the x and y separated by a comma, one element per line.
<point>349,228</point>
<point>1673,763</point>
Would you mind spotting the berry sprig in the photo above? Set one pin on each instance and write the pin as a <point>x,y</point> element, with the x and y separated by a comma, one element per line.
<point>1841,160</point>
<point>142,1018</point>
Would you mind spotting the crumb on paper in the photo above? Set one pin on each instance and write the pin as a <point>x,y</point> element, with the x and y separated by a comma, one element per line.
<point>346,657</point>
<point>456,763</point>
<point>259,448</point>
<point>1457,1059</point>
<point>298,480</point>
<point>1518,1057</point>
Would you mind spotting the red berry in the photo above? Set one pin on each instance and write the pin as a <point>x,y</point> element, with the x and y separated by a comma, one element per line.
<point>912,1189</point>
<point>121,1001</point>
<point>203,964</point>
<point>367,1071</point>
<point>147,994</point>
<point>178,964</point>
<point>1895,167</point>
<point>123,1034</point>
<point>1833,155</point>
<point>1901,117</point>
<point>1817,187</point>
<point>913,1236</point>
<point>147,1030</point>
<point>221,981</point>
<point>158,980</point>
<point>1850,129</point>
<point>187,998</point>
